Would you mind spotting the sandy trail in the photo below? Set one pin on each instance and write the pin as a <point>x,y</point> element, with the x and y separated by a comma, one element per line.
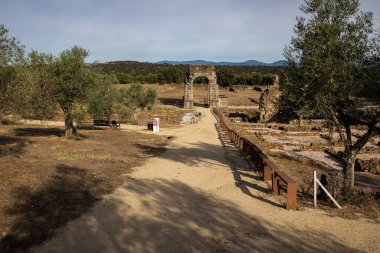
<point>202,197</point>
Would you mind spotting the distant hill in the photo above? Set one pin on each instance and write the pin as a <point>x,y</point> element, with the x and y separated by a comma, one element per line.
<point>246,63</point>
<point>244,73</point>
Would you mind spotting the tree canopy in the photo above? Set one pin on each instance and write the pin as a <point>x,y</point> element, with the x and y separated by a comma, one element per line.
<point>11,53</point>
<point>330,62</point>
<point>35,85</point>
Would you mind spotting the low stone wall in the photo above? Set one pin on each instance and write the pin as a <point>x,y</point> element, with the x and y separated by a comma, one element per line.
<point>371,166</point>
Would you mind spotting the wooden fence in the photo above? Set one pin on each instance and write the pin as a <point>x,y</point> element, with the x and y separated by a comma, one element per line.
<point>262,163</point>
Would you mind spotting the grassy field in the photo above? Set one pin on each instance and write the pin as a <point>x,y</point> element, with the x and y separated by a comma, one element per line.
<point>48,180</point>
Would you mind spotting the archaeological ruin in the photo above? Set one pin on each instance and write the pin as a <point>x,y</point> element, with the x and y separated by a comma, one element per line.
<point>269,101</point>
<point>213,89</point>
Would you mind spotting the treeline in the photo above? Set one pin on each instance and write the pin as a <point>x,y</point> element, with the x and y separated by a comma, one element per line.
<point>139,72</point>
<point>228,76</point>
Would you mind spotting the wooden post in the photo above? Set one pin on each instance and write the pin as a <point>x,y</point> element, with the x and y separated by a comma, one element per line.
<point>291,198</point>
<point>275,186</point>
<point>267,172</point>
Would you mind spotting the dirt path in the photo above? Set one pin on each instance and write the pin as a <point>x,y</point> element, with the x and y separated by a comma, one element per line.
<point>200,197</point>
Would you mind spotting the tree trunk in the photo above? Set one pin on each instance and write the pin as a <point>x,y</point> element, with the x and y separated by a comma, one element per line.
<point>70,130</point>
<point>338,125</point>
<point>351,150</point>
<point>349,171</point>
<point>350,153</point>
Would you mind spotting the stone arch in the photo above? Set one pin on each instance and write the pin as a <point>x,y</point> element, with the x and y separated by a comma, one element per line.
<point>213,88</point>
<point>201,80</point>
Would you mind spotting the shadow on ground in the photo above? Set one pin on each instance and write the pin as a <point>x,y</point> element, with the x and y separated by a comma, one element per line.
<point>204,154</point>
<point>172,101</point>
<point>66,196</point>
<point>169,216</point>
<point>39,132</point>
<point>234,156</point>
<point>204,104</point>
<point>195,155</point>
<point>11,146</point>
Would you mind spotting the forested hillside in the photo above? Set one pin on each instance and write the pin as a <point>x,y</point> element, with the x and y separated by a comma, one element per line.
<point>141,72</point>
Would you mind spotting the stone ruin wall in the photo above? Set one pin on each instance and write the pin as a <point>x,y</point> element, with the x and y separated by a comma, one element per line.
<point>269,101</point>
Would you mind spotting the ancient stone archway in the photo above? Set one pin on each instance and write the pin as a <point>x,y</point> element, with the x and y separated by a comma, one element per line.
<point>213,89</point>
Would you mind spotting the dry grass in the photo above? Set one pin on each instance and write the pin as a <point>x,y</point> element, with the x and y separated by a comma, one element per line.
<point>173,94</point>
<point>48,180</point>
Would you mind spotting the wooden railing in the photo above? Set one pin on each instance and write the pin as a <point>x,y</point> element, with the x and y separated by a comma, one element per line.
<point>262,163</point>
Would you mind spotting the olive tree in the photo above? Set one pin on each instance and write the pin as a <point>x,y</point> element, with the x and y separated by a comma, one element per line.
<point>326,68</point>
<point>11,53</point>
<point>105,100</point>
<point>102,98</point>
<point>33,82</point>
<point>72,79</point>
<point>133,98</point>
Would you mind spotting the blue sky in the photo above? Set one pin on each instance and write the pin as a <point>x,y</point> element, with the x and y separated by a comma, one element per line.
<point>154,30</point>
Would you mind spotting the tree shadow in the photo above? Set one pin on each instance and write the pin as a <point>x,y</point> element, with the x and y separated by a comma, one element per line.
<point>39,132</point>
<point>151,150</point>
<point>169,216</point>
<point>204,154</point>
<point>197,154</point>
<point>64,197</point>
<point>11,146</point>
<point>368,180</point>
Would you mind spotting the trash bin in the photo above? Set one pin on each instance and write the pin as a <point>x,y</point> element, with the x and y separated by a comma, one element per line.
<point>150,126</point>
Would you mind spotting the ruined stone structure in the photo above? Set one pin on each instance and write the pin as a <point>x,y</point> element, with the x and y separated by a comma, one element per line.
<point>269,101</point>
<point>223,101</point>
<point>213,91</point>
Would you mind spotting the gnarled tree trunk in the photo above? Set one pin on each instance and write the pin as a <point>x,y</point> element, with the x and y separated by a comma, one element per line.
<point>70,130</point>
<point>348,171</point>
<point>351,149</point>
